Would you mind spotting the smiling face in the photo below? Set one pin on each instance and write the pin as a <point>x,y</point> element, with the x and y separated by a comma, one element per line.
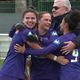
<point>30,19</point>
<point>45,21</point>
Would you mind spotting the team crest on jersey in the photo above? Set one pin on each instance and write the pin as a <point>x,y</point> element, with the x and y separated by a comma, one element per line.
<point>30,33</point>
<point>54,33</point>
<point>56,41</point>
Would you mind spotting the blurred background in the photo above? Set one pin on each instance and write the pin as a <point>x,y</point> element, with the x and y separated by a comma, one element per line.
<point>11,12</point>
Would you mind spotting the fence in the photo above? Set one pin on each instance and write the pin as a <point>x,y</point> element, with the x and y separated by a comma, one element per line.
<point>4,45</point>
<point>7,6</point>
<point>46,5</point>
<point>13,6</point>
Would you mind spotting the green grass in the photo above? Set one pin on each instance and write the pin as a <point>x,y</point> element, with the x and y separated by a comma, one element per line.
<point>1,61</point>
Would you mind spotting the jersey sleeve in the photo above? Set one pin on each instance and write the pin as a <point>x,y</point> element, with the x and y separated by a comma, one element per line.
<point>25,34</point>
<point>51,48</point>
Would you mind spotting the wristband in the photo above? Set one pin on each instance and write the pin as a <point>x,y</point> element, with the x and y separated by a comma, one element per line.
<point>55,58</point>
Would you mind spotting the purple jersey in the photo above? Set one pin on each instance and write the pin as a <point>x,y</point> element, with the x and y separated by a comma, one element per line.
<point>41,67</point>
<point>14,64</point>
<point>72,69</point>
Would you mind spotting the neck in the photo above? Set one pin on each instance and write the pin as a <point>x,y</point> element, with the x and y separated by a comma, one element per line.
<point>65,32</point>
<point>41,31</point>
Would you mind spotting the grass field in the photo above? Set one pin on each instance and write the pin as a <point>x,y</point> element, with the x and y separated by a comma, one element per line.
<point>1,61</point>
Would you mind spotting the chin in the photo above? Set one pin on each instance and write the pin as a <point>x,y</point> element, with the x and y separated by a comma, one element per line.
<point>47,29</point>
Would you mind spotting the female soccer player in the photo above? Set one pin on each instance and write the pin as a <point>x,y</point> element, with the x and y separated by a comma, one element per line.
<point>69,24</point>
<point>14,64</point>
<point>45,38</point>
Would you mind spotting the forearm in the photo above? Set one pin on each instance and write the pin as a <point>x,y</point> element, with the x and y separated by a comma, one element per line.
<point>41,51</point>
<point>59,59</point>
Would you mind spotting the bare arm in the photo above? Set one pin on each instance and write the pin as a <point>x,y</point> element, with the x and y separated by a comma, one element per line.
<point>59,59</point>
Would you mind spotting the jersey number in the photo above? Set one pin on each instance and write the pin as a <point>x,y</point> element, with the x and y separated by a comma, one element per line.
<point>75,54</point>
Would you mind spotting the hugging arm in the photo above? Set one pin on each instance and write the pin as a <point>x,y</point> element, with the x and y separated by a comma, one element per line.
<point>70,45</point>
<point>45,50</point>
<point>37,50</point>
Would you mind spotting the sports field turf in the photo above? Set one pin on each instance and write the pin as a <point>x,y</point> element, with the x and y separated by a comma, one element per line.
<point>1,61</point>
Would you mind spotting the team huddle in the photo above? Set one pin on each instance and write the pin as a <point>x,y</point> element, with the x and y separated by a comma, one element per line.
<point>52,41</point>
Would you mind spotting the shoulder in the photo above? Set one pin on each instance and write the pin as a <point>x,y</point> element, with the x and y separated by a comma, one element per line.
<point>59,40</point>
<point>25,31</point>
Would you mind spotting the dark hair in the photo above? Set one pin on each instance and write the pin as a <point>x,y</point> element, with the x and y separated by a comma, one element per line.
<point>30,10</point>
<point>40,15</point>
<point>31,7</point>
<point>73,19</point>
